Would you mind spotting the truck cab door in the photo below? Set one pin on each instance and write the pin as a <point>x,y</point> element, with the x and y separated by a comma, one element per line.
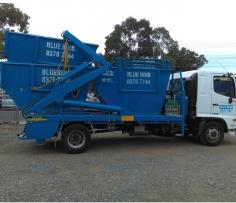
<point>222,106</point>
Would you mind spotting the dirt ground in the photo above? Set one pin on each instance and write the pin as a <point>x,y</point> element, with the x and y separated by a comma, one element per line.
<point>117,168</point>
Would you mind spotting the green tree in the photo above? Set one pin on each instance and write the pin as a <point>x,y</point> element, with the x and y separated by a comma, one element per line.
<point>130,39</point>
<point>133,38</point>
<point>12,19</point>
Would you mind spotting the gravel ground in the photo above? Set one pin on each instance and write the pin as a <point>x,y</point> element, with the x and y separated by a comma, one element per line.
<point>117,168</point>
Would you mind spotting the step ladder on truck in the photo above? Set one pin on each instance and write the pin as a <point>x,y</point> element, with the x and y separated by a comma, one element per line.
<point>65,89</point>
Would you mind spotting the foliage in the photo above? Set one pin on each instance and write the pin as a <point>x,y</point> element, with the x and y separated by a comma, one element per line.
<point>135,39</point>
<point>12,19</point>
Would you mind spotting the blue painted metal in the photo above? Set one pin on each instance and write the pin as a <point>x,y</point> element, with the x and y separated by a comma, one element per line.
<point>133,87</point>
<point>40,130</point>
<point>115,118</point>
<point>29,76</point>
<point>141,63</point>
<point>25,48</point>
<point>183,103</point>
<point>92,105</point>
<point>91,52</point>
<point>72,72</point>
<point>136,88</point>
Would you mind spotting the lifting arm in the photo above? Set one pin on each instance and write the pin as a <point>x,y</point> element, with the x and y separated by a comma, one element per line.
<point>64,85</point>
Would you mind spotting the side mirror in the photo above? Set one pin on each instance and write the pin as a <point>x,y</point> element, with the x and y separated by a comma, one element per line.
<point>230,100</point>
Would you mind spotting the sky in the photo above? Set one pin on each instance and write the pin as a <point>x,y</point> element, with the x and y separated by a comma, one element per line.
<point>205,26</point>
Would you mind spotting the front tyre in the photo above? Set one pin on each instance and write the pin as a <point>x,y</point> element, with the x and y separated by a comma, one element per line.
<point>212,134</point>
<point>75,139</point>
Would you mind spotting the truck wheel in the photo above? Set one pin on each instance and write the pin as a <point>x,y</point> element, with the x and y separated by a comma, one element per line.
<point>75,139</point>
<point>212,134</point>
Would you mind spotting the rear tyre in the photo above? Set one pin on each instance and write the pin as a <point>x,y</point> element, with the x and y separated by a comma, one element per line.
<point>212,134</point>
<point>75,139</point>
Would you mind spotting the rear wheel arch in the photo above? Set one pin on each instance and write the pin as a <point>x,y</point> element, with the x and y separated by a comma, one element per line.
<point>65,125</point>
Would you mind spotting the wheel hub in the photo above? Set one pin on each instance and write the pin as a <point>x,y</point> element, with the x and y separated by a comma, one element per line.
<point>76,139</point>
<point>213,134</point>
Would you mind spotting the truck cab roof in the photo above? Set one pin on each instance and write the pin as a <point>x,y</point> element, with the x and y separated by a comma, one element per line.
<point>188,74</point>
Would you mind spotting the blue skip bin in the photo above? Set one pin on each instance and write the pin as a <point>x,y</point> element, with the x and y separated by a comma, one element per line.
<point>135,88</point>
<point>137,85</point>
<point>24,48</point>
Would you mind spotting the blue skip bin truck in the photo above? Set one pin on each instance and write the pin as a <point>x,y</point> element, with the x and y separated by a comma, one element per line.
<point>65,89</point>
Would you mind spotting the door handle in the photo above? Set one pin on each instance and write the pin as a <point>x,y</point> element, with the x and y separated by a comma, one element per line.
<point>215,104</point>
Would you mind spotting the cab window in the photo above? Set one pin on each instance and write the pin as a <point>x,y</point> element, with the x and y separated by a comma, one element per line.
<point>224,85</point>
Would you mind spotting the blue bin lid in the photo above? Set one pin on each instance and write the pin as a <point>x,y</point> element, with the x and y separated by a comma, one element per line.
<point>142,63</point>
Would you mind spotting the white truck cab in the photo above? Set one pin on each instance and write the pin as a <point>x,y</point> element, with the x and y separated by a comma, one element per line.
<point>211,105</point>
